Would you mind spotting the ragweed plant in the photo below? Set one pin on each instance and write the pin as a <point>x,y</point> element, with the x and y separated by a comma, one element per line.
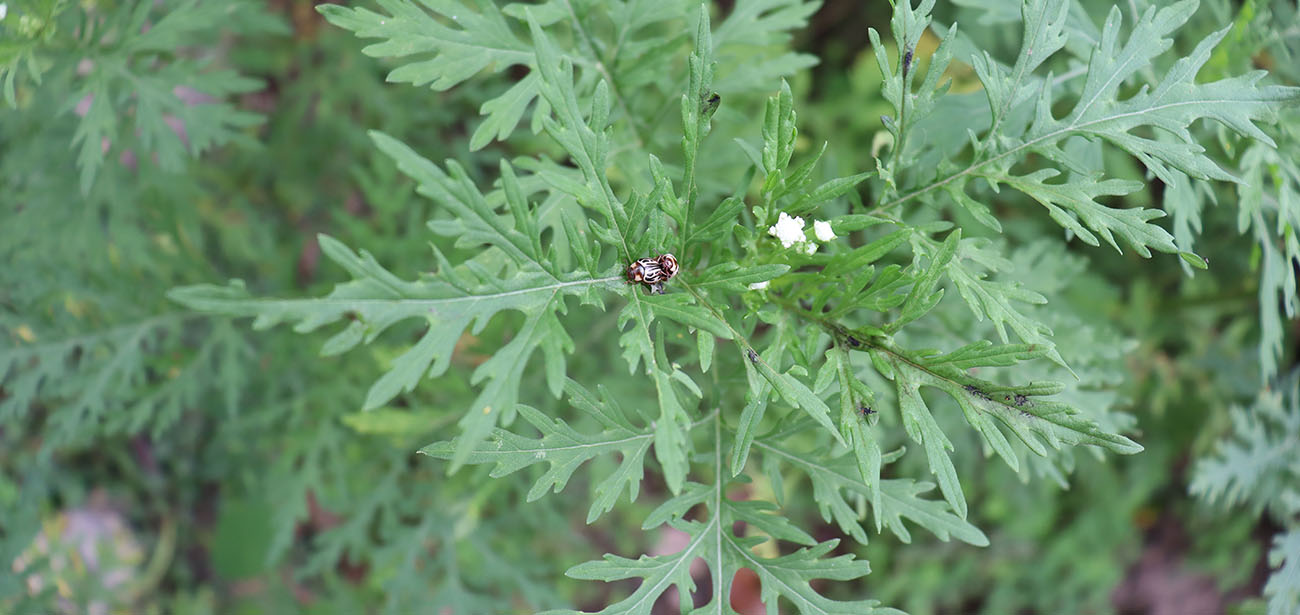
<point>818,366</point>
<point>815,350</point>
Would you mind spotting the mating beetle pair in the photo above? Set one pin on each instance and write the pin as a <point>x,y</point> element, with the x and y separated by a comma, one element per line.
<point>653,272</point>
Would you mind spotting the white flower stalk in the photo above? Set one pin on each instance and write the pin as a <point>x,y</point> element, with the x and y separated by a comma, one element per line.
<point>822,229</point>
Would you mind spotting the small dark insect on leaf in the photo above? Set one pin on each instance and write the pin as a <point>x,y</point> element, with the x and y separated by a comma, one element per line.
<point>973,390</point>
<point>753,356</point>
<point>710,104</point>
<point>853,341</point>
<point>907,61</point>
<point>1021,400</point>
<point>866,410</point>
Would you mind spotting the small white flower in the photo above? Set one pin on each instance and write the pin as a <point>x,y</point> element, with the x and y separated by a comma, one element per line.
<point>809,248</point>
<point>788,230</point>
<point>4,9</point>
<point>759,285</point>
<point>822,229</point>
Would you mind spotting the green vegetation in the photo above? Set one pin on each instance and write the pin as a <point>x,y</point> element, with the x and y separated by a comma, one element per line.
<point>986,307</point>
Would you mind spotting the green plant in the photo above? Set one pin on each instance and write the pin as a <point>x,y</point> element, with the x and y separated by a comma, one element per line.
<point>801,346</point>
<point>930,290</point>
<point>1255,469</point>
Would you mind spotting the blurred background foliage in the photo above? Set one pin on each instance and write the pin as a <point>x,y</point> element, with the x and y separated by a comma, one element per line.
<point>152,460</point>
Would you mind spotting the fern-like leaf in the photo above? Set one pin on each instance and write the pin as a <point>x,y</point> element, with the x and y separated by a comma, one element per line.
<point>457,300</point>
<point>1255,466</point>
<point>1283,586</point>
<point>899,499</point>
<point>565,449</point>
<point>785,577</point>
<point>1169,105</point>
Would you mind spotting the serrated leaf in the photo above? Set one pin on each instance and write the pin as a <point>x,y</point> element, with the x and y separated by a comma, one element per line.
<point>732,277</point>
<point>1168,105</point>
<point>786,577</point>
<point>797,394</point>
<point>564,449</point>
<point>867,254</point>
<point>1037,422</point>
<point>922,428</point>
<point>899,500</point>
<point>1253,466</point>
<point>378,299</point>
<point>1283,586</point>
<point>1073,205</point>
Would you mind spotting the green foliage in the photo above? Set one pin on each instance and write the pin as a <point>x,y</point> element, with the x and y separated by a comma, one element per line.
<point>1282,590</point>
<point>1256,468</point>
<point>837,301</point>
<point>176,105</point>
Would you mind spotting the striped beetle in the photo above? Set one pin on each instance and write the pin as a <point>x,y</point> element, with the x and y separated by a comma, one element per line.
<point>646,271</point>
<point>653,272</point>
<point>668,263</point>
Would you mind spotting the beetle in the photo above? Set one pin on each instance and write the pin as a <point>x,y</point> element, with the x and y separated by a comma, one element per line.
<point>668,263</point>
<point>646,271</point>
<point>653,272</point>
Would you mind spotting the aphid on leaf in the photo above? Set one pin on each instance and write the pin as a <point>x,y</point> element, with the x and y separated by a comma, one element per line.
<point>753,356</point>
<point>866,410</point>
<point>973,390</point>
<point>853,341</point>
<point>907,61</point>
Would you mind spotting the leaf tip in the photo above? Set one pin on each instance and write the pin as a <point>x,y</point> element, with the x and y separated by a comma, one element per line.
<point>1195,260</point>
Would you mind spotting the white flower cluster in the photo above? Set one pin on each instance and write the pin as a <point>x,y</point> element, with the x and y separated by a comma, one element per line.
<point>790,232</point>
